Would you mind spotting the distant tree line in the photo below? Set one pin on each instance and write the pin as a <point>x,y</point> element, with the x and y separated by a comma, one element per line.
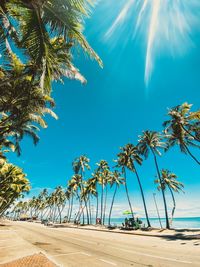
<point>182,130</point>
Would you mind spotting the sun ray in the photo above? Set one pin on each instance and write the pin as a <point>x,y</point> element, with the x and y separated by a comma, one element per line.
<point>165,25</point>
<point>151,38</point>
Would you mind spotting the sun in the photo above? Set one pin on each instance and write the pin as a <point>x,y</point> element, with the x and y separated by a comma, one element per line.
<point>166,26</point>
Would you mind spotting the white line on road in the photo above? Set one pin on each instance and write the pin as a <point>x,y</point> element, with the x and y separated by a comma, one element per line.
<point>82,240</point>
<point>109,262</point>
<point>65,254</point>
<point>154,256</point>
<point>89,255</point>
<point>9,246</point>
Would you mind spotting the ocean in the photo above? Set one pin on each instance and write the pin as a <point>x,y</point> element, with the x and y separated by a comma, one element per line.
<point>190,222</point>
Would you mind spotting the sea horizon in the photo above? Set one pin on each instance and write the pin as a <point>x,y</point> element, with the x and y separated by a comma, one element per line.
<point>178,222</point>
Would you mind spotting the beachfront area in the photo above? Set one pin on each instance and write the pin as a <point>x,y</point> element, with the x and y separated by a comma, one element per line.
<point>86,246</point>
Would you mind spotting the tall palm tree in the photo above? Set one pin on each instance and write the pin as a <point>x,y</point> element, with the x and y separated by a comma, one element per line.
<point>116,180</point>
<point>72,189</point>
<point>31,25</point>
<point>93,183</point>
<point>182,129</point>
<point>151,141</point>
<point>127,157</point>
<point>80,165</point>
<point>123,161</point>
<point>169,180</point>
<point>102,172</point>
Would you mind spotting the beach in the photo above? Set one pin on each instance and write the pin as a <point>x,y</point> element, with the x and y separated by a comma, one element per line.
<point>71,246</point>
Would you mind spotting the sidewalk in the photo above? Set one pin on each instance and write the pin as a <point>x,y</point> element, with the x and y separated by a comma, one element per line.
<point>16,252</point>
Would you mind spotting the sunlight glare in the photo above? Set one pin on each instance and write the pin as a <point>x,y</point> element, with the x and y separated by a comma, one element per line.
<point>165,25</point>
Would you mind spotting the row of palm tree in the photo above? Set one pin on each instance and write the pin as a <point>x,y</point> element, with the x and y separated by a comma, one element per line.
<point>13,184</point>
<point>36,43</point>
<point>182,129</point>
<point>43,34</point>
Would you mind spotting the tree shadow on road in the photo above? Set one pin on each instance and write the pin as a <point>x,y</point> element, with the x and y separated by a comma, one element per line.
<point>183,237</point>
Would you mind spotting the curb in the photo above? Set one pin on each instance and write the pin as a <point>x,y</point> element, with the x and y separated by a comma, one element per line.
<point>109,231</point>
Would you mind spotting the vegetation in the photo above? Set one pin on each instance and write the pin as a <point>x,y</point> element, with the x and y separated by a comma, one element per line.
<point>95,189</point>
<point>13,183</point>
<point>36,43</point>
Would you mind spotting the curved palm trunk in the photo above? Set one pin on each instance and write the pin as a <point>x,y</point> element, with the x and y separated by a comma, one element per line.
<point>194,158</point>
<point>70,213</point>
<point>97,209</point>
<point>143,198</point>
<point>105,200</point>
<point>127,194</point>
<point>163,193</point>
<point>112,203</point>
<point>154,196</point>
<point>174,202</point>
<point>87,212</point>
<point>78,215</point>
<point>193,136</point>
<point>102,189</point>
<point>89,207</point>
<point>68,210</point>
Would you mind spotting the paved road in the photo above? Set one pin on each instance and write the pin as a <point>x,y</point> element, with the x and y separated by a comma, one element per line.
<point>76,247</point>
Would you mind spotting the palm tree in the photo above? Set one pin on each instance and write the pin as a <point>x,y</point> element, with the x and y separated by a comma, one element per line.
<point>169,180</point>
<point>72,189</point>
<point>102,173</point>
<point>13,183</point>
<point>91,191</point>
<point>123,161</point>
<point>116,180</point>
<point>80,165</point>
<point>182,129</point>
<point>22,111</point>
<point>128,157</point>
<point>151,141</point>
<point>93,185</point>
<point>32,33</point>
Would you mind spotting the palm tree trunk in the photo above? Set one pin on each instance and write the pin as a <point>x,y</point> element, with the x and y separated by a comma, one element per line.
<point>78,215</point>
<point>194,158</point>
<point>127,194</point>
<point>97,208</point>
<point>143,198</point>
<point>102,188</point>
<point>87,212</point>
<point>105,200</point>
<point>70,213</point>
<point>195,138</point>
<point>111,207</point>
<point>68,210</point>
<point>89,207</point>
<point>163,193</point>
<point>174,202</point>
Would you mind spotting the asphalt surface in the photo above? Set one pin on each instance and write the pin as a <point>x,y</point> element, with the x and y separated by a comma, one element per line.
<point>76,247</point>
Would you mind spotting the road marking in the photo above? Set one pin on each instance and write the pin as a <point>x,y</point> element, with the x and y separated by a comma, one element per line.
<point>65,254</point>
<point>109,262</point>
<point>9,246</point>
<point>71,253</point>
<point>89,255</point>
<point>154,256</point>
<point>138,253</point>
<point>82,240</point>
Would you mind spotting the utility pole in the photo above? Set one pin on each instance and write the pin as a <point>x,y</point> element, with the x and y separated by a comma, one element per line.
<point>154,196</point>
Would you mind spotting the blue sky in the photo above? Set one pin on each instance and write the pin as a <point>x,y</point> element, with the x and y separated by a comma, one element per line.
<point>112,110</point>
